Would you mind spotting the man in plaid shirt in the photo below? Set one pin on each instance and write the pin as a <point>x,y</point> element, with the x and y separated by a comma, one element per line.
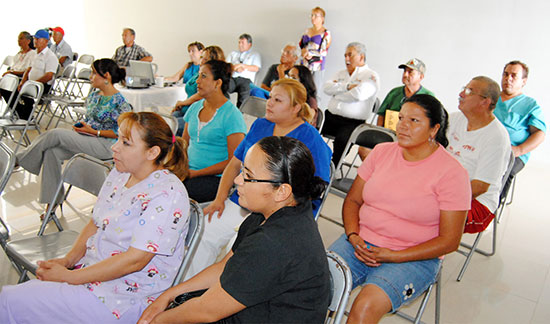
<point>130,50</point>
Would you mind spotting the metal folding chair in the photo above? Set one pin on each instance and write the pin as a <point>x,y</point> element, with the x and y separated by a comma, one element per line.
<point>340,284</point>
<point>194,233</point>
<point>325,193</point>
<point>9,82</point>
<point>32,90</point>
<point>470,249</point>
<point>8,61</point>
<point>320,119</point>
<point>171,121</point>
<point>82,171</point>
<point>254,106</point>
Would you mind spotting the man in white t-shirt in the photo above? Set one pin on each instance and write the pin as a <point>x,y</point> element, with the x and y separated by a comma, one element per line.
<point>480,142</point>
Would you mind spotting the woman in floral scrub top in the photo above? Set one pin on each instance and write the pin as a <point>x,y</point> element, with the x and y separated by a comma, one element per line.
<point>130,251</point>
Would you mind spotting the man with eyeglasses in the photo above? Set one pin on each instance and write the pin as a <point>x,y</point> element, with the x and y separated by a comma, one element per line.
<point>520,114</point>
<point>413,74</point>
<point>480,143</point>
<point>246,63</point>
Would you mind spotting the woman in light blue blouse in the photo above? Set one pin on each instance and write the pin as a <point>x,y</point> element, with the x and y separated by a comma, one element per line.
<point>94,135</point>
<point>214,127</point>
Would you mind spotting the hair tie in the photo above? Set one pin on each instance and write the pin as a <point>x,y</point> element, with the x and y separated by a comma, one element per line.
<point>173,139</point>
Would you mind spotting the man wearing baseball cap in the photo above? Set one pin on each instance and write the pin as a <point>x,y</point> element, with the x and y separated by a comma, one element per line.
<point>413,74</point>
<point>60,48</point>
<point>42,69</point>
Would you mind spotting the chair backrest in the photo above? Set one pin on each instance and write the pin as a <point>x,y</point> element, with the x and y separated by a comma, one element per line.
<point>7,161</point>
<point>75,56</point>
<point>375,108</point>
<point>9,82</point>
<point>341,283</point>
<point>371,135</point>
<point>171,121</point>
<point>320,119</point>
<point>86,59</point>
<point>504,190</point>
<point>254,106</point>
<point>84,172</point>
<point>325,193</point>
<point>196,227</point>
<point>8,61</point>
<point>31,89</point>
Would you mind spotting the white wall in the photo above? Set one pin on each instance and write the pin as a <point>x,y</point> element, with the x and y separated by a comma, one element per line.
<point>456,39</point>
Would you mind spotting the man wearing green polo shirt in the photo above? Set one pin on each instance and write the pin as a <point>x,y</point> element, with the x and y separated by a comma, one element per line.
<point>413,74</point>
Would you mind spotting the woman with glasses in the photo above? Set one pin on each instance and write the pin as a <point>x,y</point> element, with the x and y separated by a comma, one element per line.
<point>405,210</point>
<point>287,114</point>
<point>276,271</point>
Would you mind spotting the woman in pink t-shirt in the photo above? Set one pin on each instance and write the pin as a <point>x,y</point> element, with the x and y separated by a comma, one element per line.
<point>405,210</point>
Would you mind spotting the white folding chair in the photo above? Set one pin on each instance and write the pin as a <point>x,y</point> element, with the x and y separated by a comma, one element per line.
<point>469,250</point>
<point>82,171</point>
<point>8,82</point>
<point>32,90</point>
<point>8,61</point>
<point>194,233</point>
<point>7,161</point>
<point>340,286</point>
<point>320,119</point>
<point>374,110</point>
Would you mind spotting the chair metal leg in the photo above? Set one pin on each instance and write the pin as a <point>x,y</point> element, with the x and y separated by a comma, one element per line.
<point>512,194</point>
<point>438,298</point>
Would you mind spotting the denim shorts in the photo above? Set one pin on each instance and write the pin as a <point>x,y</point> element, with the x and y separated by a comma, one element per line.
<point>402,282</point>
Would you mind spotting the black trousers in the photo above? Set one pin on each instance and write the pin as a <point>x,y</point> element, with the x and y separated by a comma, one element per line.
<point>202,189</point>
<point>340,128</point>
<point>241,86</point>
<point>518,166</point>
<point>24,106</point>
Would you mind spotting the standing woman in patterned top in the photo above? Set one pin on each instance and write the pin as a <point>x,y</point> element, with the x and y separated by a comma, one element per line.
<point>314,44</point>
<point>131,249</point>
<point>94,135</point>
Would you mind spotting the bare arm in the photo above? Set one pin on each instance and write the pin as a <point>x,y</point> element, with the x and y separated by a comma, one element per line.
<point>231,171</point>
<point>189,101</point>
<point>45,78</point>
<point>535,139</point>
<point>89,130</point>
<point>380,121</point>
<point>478,188</point>
<point>62,59</point>
<point>178,75</point>
<point>147,59</point>
<point>24,78</point>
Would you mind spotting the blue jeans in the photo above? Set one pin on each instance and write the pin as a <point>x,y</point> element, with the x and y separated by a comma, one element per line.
<point>402,282</point>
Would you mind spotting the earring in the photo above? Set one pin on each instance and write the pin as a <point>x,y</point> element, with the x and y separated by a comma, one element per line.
<point>106,82</point>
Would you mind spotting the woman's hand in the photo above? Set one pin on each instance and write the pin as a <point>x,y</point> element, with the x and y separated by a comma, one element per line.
<point>53,271</point>
<point>85,129</point>
<point>216,206</point>
<point>192,174</point>
<point>363,251</point>
<point>157,307</point>
<point>62,261</point>
<point>178,106</point>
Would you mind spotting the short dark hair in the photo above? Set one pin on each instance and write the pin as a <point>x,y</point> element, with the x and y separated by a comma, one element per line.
<point>524,67</point>
<point>492,89</point>
<point>220,70</point>
<point>133,32</point>
<point>290,161</point>
<point>105,65</point>
<point>306,78</point>
<point>247,37</point>
<point>435,112</point>
<point>28,36</point>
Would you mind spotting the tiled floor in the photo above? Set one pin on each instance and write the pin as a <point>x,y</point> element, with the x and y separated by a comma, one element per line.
<point>511,287</point>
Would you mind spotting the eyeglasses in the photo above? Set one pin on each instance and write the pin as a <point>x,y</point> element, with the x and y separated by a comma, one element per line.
<point>469,91</point>
<point>259,180</point>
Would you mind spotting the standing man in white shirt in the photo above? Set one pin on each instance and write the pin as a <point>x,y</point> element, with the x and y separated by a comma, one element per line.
<point>42,69</point>
<point>246,63</point>
<point>353,92</point>
<point>479,141</point>
<point>60,48</point>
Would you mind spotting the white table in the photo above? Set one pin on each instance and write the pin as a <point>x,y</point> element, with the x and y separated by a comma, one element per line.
<point>153,97</point>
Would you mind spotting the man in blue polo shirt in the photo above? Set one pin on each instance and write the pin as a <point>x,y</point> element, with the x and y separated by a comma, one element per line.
<point>520,114</point>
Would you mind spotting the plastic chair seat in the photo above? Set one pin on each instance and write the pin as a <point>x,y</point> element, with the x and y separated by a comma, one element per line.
<point>26,252</point>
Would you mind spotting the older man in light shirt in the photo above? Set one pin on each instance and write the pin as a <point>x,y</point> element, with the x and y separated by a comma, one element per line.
<point>353,92</point>
<point>61,48</point>
<point>246,62</point>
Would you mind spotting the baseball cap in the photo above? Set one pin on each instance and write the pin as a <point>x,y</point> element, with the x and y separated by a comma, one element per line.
<point>414,64</point>
<point>58,29</point>
<point>42,33</point>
